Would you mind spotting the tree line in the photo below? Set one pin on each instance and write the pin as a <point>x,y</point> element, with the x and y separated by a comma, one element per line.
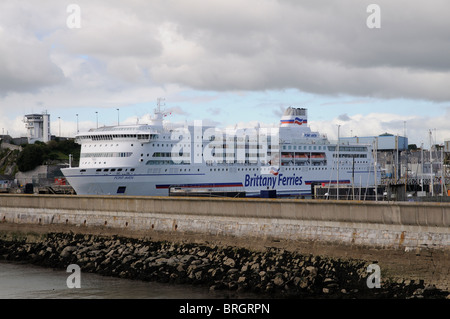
<point>39,153</point>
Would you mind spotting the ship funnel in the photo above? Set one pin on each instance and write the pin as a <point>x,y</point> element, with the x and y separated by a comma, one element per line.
<point>294,117</point>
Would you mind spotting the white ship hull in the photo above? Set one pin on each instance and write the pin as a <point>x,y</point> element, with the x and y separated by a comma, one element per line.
<point>288,182</point>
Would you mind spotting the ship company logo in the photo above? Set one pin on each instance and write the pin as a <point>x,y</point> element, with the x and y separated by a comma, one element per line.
<point>272,181</point>
<point>297,121</point>
<point>274,170</point>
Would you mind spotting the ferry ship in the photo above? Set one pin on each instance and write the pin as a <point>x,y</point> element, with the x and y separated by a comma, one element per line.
<point>156,158</point>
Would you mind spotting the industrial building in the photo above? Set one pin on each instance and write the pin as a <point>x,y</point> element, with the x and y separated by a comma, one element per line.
<point>383,142</point>
<point>389,148</point>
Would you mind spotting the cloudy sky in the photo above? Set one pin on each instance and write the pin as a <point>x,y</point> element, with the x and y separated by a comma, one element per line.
<point>227,62</point>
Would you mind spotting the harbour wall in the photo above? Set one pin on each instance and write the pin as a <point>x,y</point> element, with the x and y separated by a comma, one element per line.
<point>397,225</point>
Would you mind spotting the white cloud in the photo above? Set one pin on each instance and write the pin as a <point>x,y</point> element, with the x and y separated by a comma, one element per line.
<point>25,64</point>
<point>373,124</point>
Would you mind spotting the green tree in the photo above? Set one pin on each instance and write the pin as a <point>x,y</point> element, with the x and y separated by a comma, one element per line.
<point>38,153</point>
<point>31,156</point>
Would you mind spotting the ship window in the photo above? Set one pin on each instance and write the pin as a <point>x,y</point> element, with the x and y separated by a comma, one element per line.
<point>121,189</point>
<point>131,169</point>
<point>106,169</point>
<point>98,170</point>
<point>82,170</point>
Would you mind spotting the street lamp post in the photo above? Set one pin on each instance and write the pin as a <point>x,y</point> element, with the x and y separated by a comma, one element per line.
<point>338,160</point>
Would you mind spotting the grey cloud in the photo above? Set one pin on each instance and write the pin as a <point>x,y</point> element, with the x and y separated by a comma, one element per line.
<point>321,47</point>
<point>344,117</point>
<point>26,67</point>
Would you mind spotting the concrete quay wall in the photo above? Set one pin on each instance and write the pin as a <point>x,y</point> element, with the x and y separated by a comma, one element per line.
<point>402,225</point>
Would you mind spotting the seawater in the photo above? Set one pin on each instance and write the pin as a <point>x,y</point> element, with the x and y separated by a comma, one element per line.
<point>25,281</point>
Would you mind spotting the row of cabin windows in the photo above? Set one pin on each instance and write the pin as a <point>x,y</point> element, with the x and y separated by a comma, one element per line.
<point>113,170</point>
<point>107,154</point>
<point>106,145</point>
<point>218,146</point>
<point>173,154</point>
<point>198,170</point>
<point>110,137</point>
<point>330,148</point>
<point>109,170</point>
<point>305,147</point>
<point>348,148</point>
<point>351,155</point>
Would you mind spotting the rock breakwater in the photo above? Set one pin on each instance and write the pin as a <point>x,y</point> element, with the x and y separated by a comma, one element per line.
<point>271,273</point>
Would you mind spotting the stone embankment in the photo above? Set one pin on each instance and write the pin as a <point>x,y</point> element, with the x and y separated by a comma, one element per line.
<point>271,273</point>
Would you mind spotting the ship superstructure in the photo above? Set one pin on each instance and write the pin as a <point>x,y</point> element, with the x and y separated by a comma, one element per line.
<point>151,159</point>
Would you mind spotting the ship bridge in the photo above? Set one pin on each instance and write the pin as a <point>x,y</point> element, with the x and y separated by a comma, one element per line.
<point>141,133</point>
